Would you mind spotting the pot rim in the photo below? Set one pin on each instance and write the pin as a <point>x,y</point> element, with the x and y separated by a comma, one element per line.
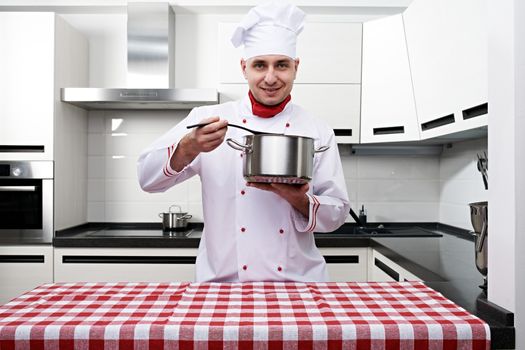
<point>279,135</point>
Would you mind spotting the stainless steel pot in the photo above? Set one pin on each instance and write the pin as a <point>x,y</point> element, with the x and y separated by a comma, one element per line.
<point>277,158</point>
<point>174,221</point>
<point>479,219</point>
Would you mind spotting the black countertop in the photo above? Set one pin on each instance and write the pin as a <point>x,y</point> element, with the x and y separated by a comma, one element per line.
<point>441,255</point>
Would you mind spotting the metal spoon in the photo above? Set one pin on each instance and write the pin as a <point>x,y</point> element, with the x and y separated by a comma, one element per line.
<point>235,126</point>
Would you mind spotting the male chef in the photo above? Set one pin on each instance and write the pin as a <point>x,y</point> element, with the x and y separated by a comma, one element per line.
<point>255,231</point>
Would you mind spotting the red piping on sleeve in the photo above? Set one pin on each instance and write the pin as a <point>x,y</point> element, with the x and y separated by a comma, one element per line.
<point>316,205</point>
<point>167,170</point>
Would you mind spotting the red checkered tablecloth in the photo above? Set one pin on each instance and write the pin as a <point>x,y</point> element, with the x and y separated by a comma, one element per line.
<point>258,315</point>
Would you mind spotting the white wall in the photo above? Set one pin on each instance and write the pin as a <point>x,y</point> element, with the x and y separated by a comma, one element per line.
<point>115,139</point>
<point>460,182</point>
<point>392,188</point>
<point>506,143</point>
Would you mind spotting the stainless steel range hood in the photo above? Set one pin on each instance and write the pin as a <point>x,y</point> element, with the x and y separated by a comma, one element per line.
<point>151,68</point>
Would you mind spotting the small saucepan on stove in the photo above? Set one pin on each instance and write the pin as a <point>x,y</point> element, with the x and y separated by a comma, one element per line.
<point>277,157</point>
<point>175,221</point>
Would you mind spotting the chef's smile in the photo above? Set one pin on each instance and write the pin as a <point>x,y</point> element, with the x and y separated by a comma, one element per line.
<point>270,77</point>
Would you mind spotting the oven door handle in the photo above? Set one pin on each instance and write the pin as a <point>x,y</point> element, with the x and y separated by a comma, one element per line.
<point>17,188</point>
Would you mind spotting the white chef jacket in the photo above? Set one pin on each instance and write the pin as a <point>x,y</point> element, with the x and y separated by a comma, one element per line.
<point>251,234</point>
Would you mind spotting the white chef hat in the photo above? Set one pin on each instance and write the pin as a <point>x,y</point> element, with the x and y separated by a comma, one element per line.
<point>269,29</point>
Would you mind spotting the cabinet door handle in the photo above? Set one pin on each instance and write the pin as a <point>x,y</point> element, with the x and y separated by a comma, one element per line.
<point>21,259</point>
<point>22,148</point>
<point>386,269</point>
<point>341,259</point>
<point>115,259</point>
<point>17,188</point>
<point>343,132</point>
<point>448,119</point>
<point>476,111</point>
<point>389,130</point>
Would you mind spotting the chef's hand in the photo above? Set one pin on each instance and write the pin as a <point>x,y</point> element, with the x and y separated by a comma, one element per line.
<point>293,194</point>
<point>202,139</point>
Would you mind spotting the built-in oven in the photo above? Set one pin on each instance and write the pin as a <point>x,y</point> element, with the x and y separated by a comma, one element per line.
<point>26,202</point>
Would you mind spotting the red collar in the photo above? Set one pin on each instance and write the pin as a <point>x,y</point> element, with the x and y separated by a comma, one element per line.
<point>265,111</point>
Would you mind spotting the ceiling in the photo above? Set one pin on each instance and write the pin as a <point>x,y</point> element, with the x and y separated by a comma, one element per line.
<point>352,7</point>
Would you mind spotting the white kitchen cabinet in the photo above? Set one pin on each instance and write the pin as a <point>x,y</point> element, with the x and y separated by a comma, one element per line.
<point>382,269</point>
<point>388,111</point>
<point>124,264</point>
<point>23,268</point>
<point>337,105</point>
<point>40,54</point>
<point>447,49</point>
<point>26,83</point>
<point>329,53</point>
<point>346,264</point>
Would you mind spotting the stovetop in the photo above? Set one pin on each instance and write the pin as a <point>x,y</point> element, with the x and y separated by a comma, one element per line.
<point>121,233</point>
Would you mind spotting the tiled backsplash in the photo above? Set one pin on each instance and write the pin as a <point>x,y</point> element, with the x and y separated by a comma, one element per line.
<point>460,182</point>
<point>392,188</point>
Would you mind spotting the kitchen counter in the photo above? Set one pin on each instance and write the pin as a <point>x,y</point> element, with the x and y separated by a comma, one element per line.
<point>440,255</point>
<point>150,235</point>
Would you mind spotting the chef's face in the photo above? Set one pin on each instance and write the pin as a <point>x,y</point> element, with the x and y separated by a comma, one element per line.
<point>270,77</point>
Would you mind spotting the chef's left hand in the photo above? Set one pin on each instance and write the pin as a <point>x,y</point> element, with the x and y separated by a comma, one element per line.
<point>293,194</point>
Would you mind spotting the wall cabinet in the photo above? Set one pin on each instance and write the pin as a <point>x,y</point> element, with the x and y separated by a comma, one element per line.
<point>124,264</point>
<point>40,54</point>
<point>388,111</point>
<point>23,268</point>
<point>382,269</point>
<point>27,83</point>
<point>322,86</point>
<point>346,264</point>
<point>447,48</point>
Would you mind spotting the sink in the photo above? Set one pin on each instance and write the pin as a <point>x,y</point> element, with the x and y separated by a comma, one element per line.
<point>373,231</point>
<point>410,231</point>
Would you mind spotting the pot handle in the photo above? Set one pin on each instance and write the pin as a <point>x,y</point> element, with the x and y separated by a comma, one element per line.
<point>187,216</point>
<point>175,205</point>
<point>161,215</point>
<point>481,239</point>
<point>321,149</point>
<point>238,146</point>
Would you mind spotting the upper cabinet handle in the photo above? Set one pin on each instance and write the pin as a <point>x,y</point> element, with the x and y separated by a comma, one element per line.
<point>17,188</point>
<point>21,148</point>
<point>389,130</point>
<point>448,119</point>
<point>476,111</point>
<point>343,132</point>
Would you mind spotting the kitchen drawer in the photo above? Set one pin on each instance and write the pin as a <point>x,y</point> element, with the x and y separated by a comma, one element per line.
<point>346,264</point>
<point>23,268</point>
<point>124,265</point>
<point>382,269</point>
